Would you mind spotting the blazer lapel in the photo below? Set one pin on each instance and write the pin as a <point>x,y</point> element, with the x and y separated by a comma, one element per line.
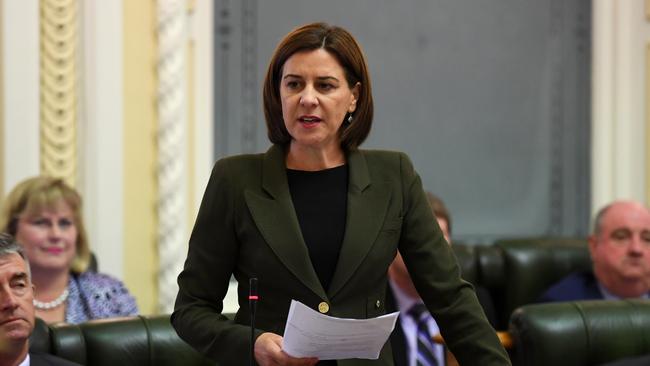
<point>367,205</point>
<point>276,219</point>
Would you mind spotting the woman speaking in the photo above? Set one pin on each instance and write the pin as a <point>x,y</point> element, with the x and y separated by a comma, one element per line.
<point>318,220</point>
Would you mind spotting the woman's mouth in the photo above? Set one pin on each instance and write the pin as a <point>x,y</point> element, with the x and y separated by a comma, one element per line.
<point>54,250</point>
<point>309,121</point>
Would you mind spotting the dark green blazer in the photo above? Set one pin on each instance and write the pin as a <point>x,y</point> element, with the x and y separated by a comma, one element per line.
<point>247,226</point>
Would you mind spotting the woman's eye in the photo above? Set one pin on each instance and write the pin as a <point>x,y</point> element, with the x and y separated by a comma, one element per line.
<point>326,86</point>
<point>292,84</point>
<point>40,222</point>
<point>65,223</point>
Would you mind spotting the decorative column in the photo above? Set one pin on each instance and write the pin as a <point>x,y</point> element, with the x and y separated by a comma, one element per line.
<point>58,92</point>
<point>619,117</point>
<point>172,152</point>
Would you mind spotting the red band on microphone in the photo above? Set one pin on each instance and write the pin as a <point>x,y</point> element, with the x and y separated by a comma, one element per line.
<point>253,297</point>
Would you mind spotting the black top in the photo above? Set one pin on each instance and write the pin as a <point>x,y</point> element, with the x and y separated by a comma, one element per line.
<point>320,200</point>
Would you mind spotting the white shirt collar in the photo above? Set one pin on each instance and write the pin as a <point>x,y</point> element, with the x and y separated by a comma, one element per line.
<point>409,327</point>
<point>610,296</point>
<point>403,300</point>
<point>25,361</point>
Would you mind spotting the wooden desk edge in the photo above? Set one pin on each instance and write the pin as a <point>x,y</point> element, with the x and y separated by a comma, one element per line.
<point>504,337</point>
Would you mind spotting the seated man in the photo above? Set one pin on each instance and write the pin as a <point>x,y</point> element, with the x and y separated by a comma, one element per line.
<point>620,251</point>
<point>415,326</point>
<point>17,309</point>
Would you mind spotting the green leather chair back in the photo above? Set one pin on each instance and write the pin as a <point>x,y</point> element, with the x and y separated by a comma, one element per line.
<point>467,260</point>
<point>39,340</point>
<point>480,264</point>
<point>580,333</point>
<point>131,341</point>
<point>517,271</point>
<point>533,265</point>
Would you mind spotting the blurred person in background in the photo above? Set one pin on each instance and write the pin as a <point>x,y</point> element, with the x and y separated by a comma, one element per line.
<point>44,215</point>
<point>620,251</point>
<point>414,320</point>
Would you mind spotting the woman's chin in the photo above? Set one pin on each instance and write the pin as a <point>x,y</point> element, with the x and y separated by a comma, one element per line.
<point>313,143</point>
<point>51,267</point>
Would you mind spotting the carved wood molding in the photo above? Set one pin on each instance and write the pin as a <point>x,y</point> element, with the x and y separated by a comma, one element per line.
<point>58,93</point>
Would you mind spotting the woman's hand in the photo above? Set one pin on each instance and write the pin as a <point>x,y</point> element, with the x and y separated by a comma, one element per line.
<point>268,351</point>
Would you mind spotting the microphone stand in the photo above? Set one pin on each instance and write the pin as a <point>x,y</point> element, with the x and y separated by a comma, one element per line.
<point>252,304</point>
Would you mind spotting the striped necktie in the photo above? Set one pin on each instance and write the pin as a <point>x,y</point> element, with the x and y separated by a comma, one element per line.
<point>425,355</point>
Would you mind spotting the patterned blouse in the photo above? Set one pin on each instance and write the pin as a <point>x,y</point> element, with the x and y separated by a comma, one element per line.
<point>96,296</point>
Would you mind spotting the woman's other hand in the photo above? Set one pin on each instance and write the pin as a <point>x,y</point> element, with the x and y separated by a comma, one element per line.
<point>268,351</point>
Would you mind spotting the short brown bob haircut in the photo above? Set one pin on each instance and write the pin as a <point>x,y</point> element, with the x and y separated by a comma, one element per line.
<point>439,209</point>
<point>37,194</point>
<point>340,44</point>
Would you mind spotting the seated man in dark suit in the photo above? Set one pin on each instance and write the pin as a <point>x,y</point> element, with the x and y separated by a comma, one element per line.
<point>410,340</point>
<point>620,252</point>
<point>17,309</point>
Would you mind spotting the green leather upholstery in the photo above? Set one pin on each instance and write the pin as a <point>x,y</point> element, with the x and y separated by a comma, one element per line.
<point>532,265</point>
<point>580,333</point>
<point>517,271</point>
<point>137,341</point>
<point>40,337</point>
<point>480,264</point>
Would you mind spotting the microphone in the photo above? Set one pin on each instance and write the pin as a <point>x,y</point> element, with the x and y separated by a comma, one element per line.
<point>252,304</point>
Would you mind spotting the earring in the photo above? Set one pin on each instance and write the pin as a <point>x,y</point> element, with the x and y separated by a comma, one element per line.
<point>350,118</point>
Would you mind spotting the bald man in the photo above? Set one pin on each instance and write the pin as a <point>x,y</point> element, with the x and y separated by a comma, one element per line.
<point>620,251</point>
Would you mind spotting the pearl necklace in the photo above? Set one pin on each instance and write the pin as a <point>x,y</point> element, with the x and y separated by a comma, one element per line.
<point>54,303</point>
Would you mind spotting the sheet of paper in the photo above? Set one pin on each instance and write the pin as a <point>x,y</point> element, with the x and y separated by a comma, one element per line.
<point>309,333</point>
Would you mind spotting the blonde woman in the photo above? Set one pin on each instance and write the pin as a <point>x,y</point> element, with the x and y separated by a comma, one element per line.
<point>44,215</point>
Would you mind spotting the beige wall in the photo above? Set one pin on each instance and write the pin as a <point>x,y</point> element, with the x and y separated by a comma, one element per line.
<point>20,85</point>
<point>140,224</point>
